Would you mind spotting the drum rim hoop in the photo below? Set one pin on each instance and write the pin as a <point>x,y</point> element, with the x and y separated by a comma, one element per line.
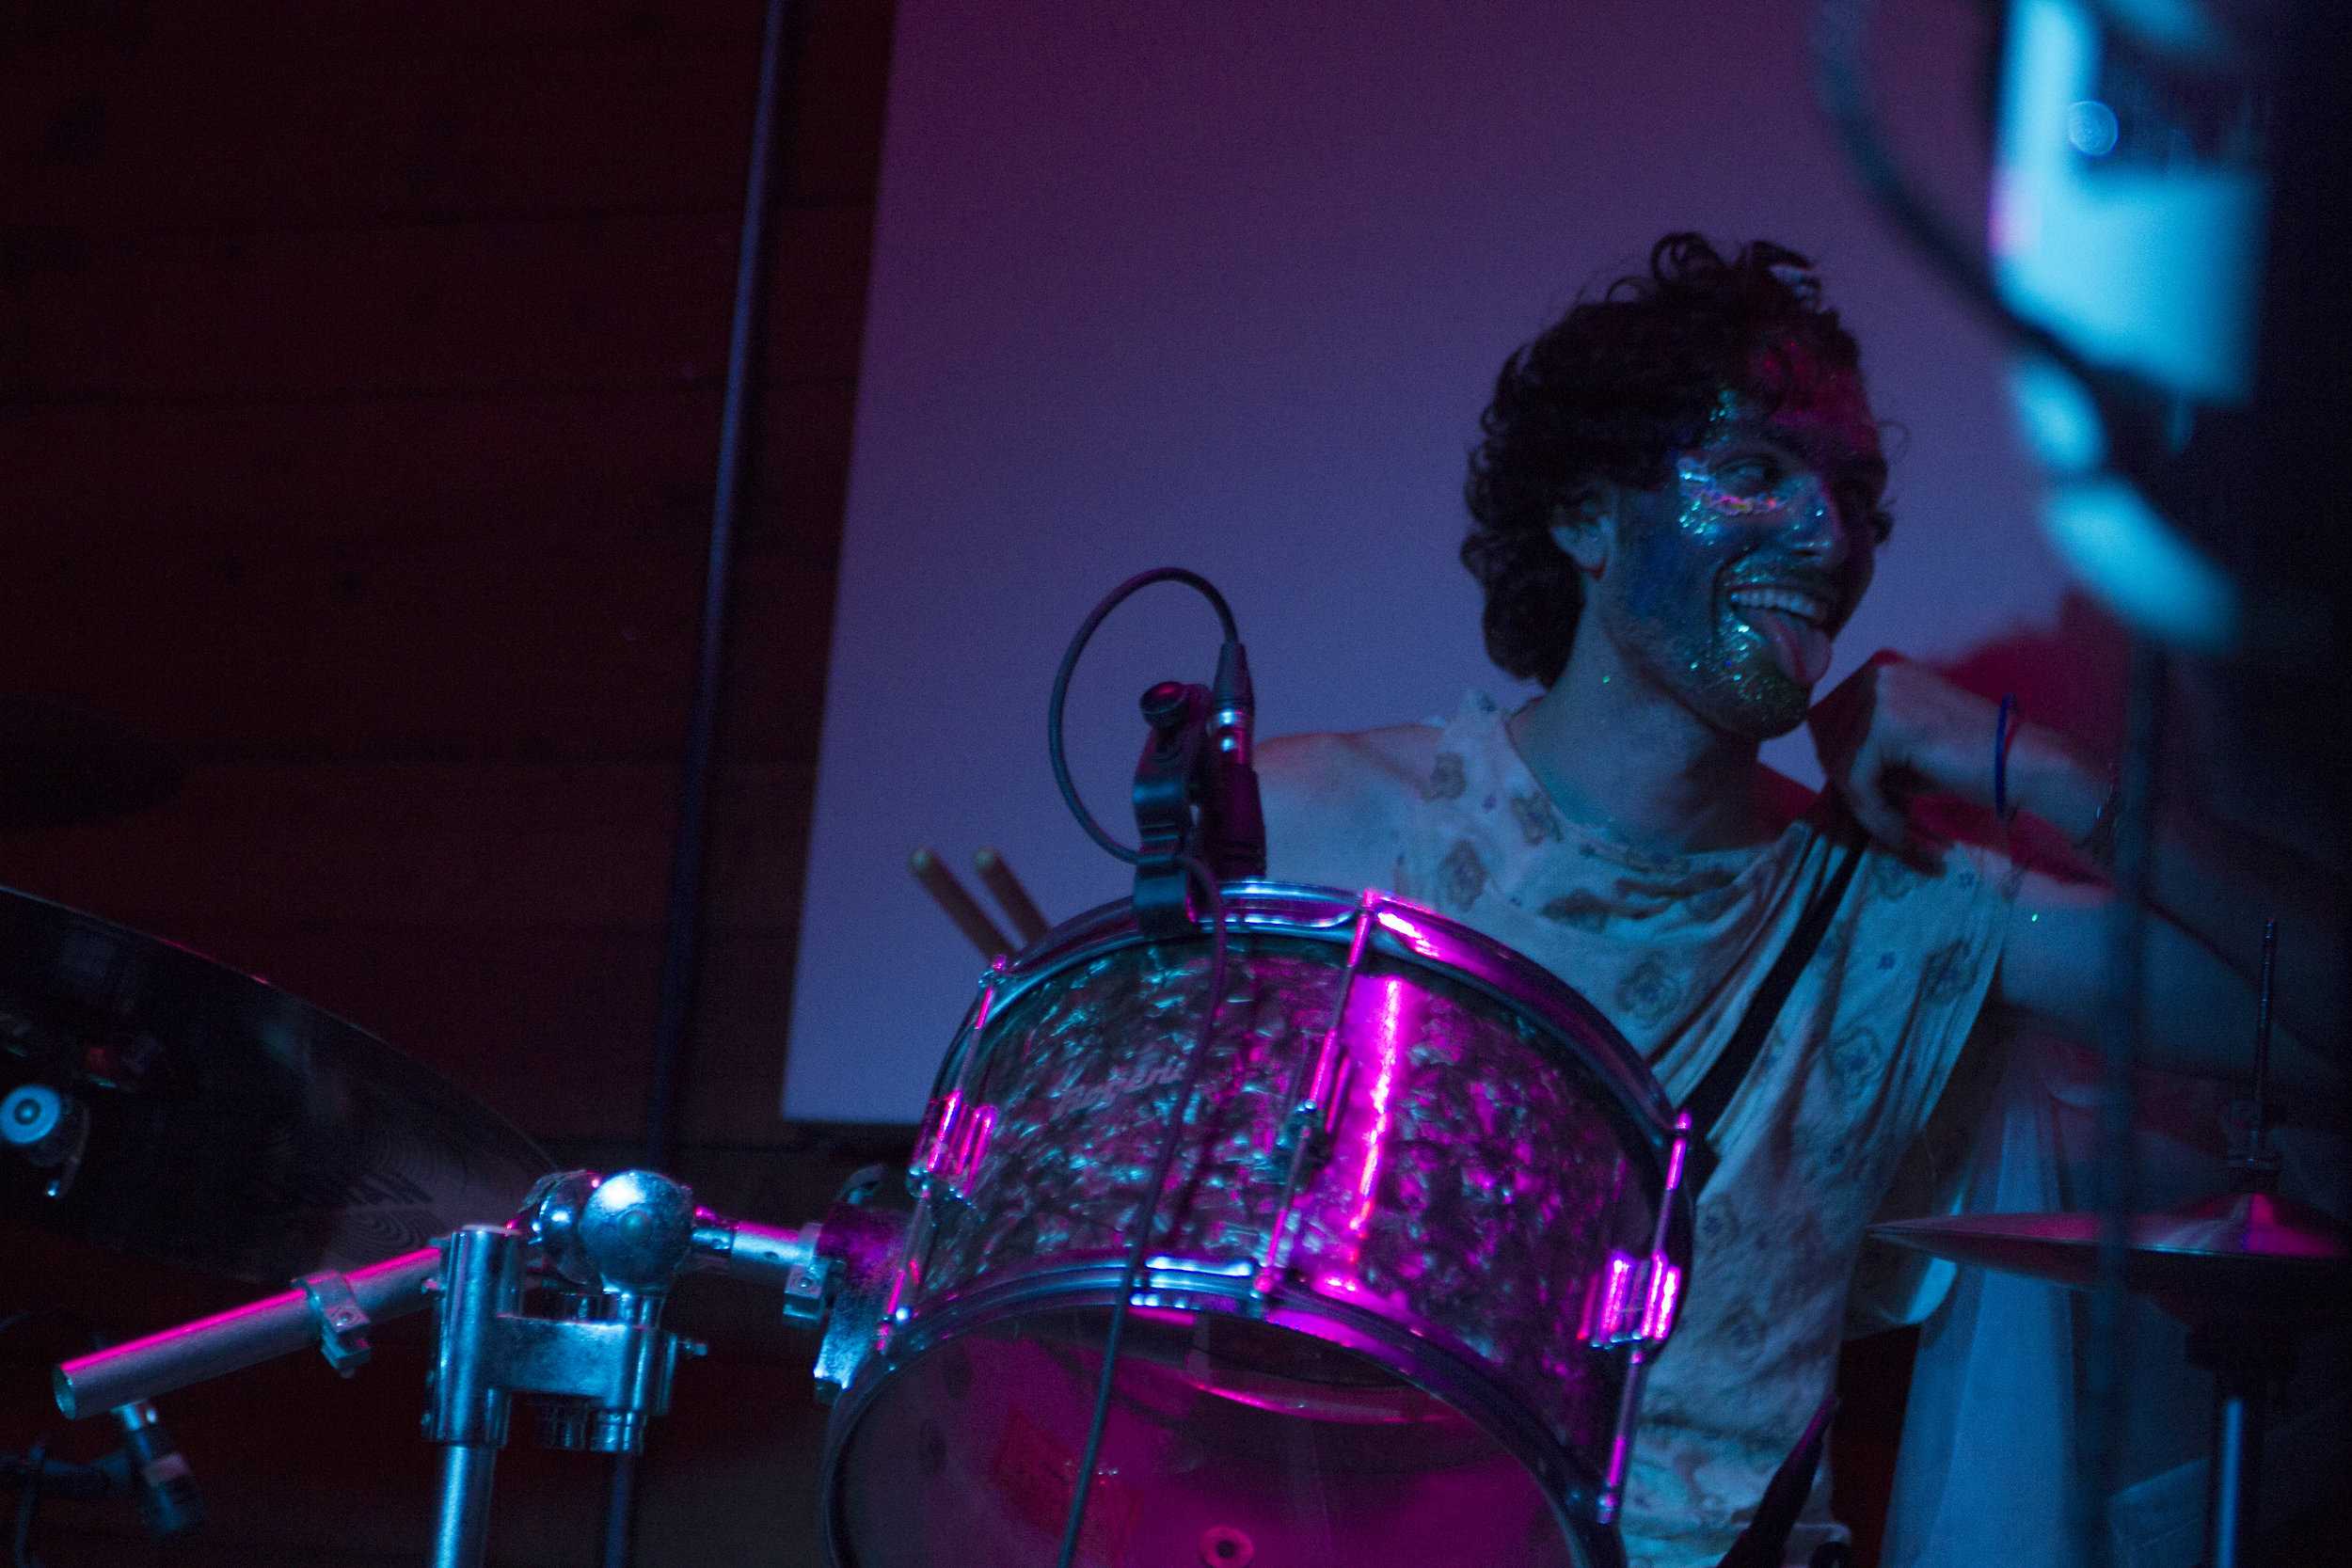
<point>1265,907</point>
<point>1563,1480</point>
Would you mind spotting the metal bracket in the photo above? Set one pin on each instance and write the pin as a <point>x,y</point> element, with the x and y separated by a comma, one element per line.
<point>808,1287</point>
<point>863,1244</point>
<point>1635,1300</point>
<point>342,1323</point>
<point>1632,1301</point>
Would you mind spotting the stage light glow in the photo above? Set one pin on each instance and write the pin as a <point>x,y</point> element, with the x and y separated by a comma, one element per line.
<point>2057,418</point>
<point>2145,571</point>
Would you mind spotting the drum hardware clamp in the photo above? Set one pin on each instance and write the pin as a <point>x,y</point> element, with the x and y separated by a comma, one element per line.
<point>342,1323</point>
<point>595,1358</point>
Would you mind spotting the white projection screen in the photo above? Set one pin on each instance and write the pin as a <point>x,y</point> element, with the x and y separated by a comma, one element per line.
<point>1224,284</point>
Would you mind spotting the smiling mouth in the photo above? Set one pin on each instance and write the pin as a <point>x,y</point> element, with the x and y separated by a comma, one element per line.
<point>1793,622</point>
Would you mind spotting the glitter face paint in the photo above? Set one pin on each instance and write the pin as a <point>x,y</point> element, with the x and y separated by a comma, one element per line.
<point>1727,583</point>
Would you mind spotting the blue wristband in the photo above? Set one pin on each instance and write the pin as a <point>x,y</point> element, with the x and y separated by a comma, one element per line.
<point>2002,735</point>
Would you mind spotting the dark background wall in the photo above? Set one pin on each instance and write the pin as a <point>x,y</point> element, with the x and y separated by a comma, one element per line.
<point>360,385</point>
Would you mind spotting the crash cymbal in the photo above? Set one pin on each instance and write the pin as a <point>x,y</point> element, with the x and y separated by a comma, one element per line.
<point>62,763</point>
<point>221,1123</point>
<point>2237,1255</point>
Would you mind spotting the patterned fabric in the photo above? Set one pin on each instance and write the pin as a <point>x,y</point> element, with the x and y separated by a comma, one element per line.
<point>1670,949</point>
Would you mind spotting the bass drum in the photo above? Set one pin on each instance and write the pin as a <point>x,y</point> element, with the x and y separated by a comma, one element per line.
<point>1422,1232</point>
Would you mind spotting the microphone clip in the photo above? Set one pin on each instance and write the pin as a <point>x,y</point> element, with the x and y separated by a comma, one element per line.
<point>1196,795</point>
<point>1167,789</point>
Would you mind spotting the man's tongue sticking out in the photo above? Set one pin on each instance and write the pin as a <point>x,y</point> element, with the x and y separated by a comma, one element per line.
<point>1800,648</point>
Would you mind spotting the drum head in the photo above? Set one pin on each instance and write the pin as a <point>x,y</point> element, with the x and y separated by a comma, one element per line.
<point>1378,1325</point>
<point>1229,1443</point>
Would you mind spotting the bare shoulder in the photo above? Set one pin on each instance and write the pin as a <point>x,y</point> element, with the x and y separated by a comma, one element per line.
<point>1337,804</point>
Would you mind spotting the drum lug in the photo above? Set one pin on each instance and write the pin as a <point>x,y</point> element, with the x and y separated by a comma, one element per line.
<point>1313,1121</point>
<point>951,1142</point>
<point>1633,1302</point>
<point>1319,1093</point>
<point>1635,1299</point>
<point>953,1146</point>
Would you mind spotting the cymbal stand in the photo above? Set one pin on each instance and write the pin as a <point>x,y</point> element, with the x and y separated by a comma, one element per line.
<point>590,1352</point>
<point>2245,1362</point>
<point>601,1365</point>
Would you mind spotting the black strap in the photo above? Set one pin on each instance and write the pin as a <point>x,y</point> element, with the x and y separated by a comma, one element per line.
<point>1765,1542</point>
<point>1707,1101</point>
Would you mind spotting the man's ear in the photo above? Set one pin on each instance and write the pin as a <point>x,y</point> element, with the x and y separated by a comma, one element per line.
<point>1580,525</point>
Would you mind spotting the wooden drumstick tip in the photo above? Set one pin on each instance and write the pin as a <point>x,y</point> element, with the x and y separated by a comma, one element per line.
<point>957,903</point>
<point>996,876</point>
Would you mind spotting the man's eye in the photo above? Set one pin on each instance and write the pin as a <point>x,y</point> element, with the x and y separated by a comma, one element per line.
<point>1749,476</point>
<point>1858,503</point>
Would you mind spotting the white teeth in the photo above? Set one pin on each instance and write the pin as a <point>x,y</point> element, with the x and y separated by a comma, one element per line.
<point>1804,606</point>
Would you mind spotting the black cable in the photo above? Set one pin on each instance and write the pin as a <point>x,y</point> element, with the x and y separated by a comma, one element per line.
<point>2108,1349</point>
<point>28,1506</point>
<point>682,919</point>
<point>1138,1246</point>
<point>1070,663</point>
<point>1839,34</point>
<point>1148,1210</point>
<point>1840,28</point>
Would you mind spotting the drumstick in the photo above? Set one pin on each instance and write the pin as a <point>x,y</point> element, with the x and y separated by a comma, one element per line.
<point>1009,895</point>
<point>948,894</point>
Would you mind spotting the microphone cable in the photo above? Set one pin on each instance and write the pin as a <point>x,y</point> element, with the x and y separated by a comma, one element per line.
<point>1198,872</point>
<point>1087,629</point>
<point>1147,1211</point>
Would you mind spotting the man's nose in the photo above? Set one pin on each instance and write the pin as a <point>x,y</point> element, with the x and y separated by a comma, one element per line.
<point>1820,528</point>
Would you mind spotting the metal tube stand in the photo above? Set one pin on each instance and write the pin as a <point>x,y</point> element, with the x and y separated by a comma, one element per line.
<point>481,1286</point>
<point>605,1254</point>
<point>2244,1360</point>
<point>602,1360</point>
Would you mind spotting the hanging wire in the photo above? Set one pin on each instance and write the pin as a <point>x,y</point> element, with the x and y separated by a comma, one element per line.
<point>28,1506</point>
<point>1111,601</point>
<point>1841,80</point>
<point>2106,1353</point>
<point>1148,1210</point>
<point>1179,1112</point>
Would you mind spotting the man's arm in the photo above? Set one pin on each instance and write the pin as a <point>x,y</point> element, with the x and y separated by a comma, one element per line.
<point>2202,883</point>
<point>1895,727</point>
<point>2196,1013</point>
<point>1335,804</point>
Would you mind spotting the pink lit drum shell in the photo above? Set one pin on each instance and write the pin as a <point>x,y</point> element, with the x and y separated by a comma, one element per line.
<point>1401,1375</point>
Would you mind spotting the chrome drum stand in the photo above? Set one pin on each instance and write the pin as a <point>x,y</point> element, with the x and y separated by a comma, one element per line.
<point>561,1307</point>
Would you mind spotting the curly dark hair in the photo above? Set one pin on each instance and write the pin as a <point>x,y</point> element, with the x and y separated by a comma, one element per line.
<point>1609,392</point>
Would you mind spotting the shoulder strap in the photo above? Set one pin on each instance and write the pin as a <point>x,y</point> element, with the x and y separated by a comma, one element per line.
<point>1707,1101</point>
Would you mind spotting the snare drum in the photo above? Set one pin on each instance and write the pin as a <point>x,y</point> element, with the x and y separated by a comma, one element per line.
<point>1420,1234</point>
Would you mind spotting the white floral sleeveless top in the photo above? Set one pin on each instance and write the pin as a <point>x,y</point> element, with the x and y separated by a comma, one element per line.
<point>1670,950</point>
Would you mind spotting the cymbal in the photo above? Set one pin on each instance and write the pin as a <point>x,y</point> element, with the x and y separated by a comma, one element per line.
<point>61,763</point>
<point>2236,1256</point>
<point>224,1125</point>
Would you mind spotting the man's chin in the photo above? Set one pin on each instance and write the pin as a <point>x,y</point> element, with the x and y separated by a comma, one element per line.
<point>1761,707</point>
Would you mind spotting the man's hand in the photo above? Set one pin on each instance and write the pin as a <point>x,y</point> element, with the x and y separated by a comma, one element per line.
<point>1894,728</point>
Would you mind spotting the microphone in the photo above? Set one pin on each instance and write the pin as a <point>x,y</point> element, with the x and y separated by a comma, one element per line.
<point>169,1503</point>
<point>1236,815</point>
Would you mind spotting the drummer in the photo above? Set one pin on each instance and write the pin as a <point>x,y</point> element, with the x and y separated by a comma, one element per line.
<point>1675,506</point>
